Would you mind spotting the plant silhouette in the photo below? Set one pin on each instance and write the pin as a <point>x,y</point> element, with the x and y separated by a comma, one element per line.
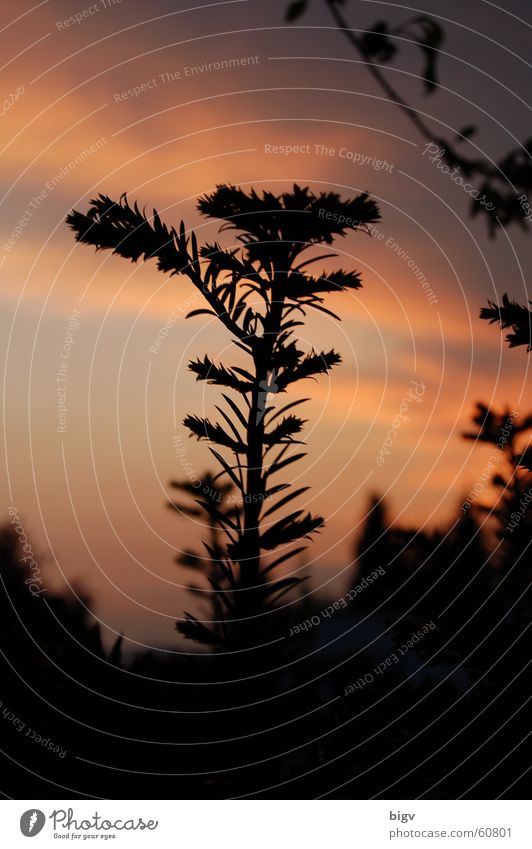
<point>199,502</point>
<point>514,522</point>
<point>511,314</point>
<point>509,434</point>
<point>261,292</point>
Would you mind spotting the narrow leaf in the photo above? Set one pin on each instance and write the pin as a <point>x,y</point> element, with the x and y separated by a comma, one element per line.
<point>227,468</point>
<point>284,501</point>
<point>283,558</point>
<point>295,10</point>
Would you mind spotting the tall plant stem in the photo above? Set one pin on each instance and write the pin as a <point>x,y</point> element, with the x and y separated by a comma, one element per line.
<point>250,566</point>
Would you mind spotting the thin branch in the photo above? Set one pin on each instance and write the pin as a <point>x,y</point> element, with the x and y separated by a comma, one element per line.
<point>411,113</point>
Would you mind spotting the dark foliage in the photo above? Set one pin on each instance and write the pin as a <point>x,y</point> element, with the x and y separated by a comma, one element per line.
<point>447,720</point>
<point>511,314</point>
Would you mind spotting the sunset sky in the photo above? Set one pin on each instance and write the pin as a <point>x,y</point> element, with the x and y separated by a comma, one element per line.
<point>93,497</point>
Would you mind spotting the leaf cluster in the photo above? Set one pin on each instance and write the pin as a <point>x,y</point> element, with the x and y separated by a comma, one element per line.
<point>511,314</point>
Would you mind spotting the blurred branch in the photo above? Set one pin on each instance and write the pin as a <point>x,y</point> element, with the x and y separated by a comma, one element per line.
<point>502,193</point>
